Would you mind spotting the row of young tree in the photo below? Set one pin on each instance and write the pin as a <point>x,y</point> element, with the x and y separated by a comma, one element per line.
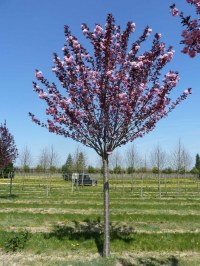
<point>158,160</point>
<point>49,160</point>
<point>178,160</point>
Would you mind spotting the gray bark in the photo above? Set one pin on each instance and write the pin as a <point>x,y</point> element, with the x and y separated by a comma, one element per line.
<point>11,181</point>
<point>106,242</point>
<point>159,187</point>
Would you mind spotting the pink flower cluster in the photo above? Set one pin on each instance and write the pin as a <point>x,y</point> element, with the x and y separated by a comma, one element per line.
<point>112,97</point>
<point>98,30</point>
<point>191,35</point>
<point>174,11</point>
<point>196,3</point>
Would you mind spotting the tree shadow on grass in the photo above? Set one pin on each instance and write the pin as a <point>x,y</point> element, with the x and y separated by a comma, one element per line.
<point>12,196</point>
<point>170,261</point>
<point>91,229</point>
<point>149,261</point>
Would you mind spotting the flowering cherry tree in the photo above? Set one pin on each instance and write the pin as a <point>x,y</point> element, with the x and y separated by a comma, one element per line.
<point>191,33</point>
<point>8,150</point>
<point>111,97</point>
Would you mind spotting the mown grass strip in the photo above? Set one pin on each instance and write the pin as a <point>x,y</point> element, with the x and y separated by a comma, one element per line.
<point>28,218</point>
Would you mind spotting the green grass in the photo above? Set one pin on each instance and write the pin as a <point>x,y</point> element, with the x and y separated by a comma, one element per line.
<point>67,226</point>
<point>52,243</point>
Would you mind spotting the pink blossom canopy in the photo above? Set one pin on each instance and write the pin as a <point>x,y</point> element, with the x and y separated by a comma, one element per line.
<point>112,97</point>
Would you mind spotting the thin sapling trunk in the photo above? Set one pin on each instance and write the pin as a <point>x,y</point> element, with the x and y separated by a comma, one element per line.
<point>106,242</point>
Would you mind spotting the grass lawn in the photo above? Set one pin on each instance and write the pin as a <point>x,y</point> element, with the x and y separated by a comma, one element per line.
<point>44,222</point>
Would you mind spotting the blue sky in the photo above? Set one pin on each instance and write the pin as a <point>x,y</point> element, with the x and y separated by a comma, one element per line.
<point>30,31</point>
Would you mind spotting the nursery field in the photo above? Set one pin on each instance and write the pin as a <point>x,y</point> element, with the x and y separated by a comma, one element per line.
<point>46,221</point>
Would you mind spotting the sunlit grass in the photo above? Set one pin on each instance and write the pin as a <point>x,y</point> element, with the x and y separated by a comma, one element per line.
<point>167,224</point>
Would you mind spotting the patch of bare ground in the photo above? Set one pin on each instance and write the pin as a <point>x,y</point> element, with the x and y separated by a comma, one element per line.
<point>49,210</point>
<point>155,258</point>
<point>122,259</point>
<point>39,229</point>
<point>97,211</point>
<point>137,227</point>
<point>45,229</point>
<point>26,259</point>
<point>44,201</point>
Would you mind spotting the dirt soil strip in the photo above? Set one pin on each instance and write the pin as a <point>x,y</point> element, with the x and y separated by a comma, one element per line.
<point>26,259</point>
<point>50,210</point>
<point>48,228</point>
<point>95,211</point>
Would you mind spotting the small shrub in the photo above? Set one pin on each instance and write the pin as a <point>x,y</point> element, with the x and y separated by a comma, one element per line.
<point>17,242</point>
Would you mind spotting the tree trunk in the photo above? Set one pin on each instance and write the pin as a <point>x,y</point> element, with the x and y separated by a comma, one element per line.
<point>178,184</point>
<point>185,180</point>
<point>106,242</point>
<point>11,179</point>
<point>23,180</point>
<point>165,184</point>
<point>132,182</point>
<point>122,182</point>
<point>159,188</point>
<point>141,185</point>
